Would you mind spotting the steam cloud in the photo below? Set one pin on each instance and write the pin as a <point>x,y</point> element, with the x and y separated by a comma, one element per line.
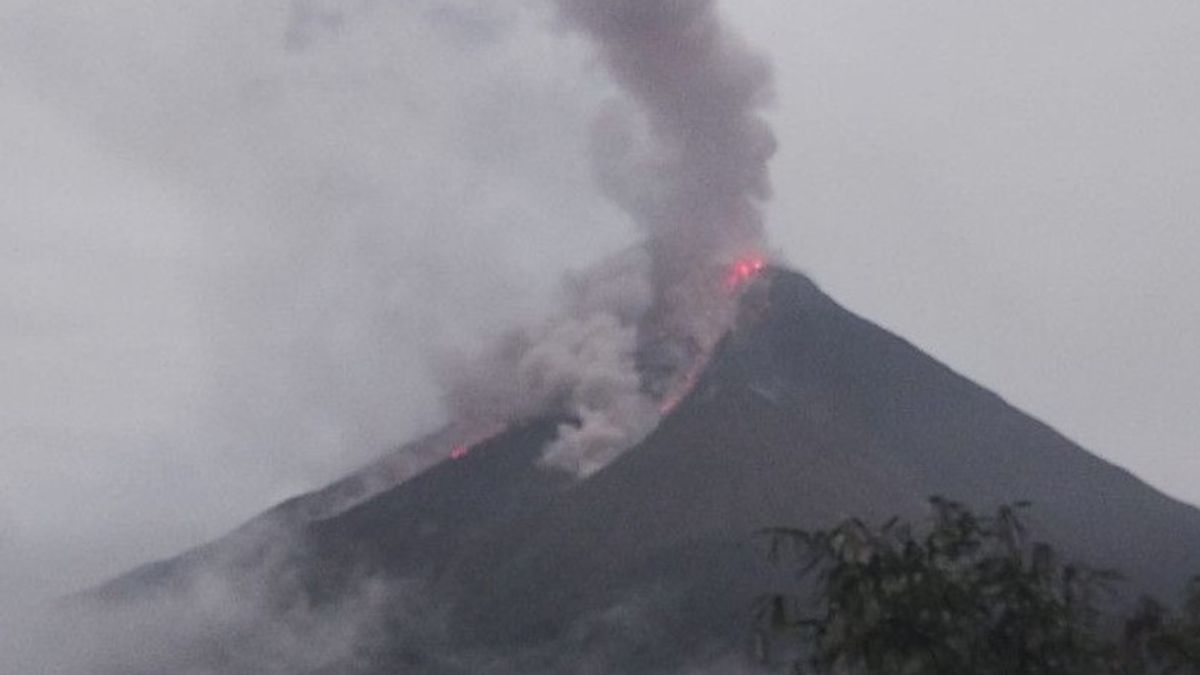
<point>696,191</point>
<point>686,158</point>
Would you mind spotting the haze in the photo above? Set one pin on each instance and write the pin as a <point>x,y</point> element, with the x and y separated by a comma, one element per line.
<point>238,236</point>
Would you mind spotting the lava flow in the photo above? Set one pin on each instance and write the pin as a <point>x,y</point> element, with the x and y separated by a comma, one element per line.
<point>463,448</point>
<point>675,396</point>
<point>744,270</point>
<point>740,274</point>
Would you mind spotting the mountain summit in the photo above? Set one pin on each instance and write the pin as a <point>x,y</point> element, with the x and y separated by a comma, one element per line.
<point>805,414</point>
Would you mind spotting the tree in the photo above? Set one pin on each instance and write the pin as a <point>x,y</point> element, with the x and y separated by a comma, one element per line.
<point>1157,641</point>
<point>970,596</point>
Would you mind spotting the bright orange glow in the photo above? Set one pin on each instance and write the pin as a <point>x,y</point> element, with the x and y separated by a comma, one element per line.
<point>464,446</point>
<point>738,275</point>
<point>744,270</point>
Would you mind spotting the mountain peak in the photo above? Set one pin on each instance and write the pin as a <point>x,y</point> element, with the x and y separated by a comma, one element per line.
<point>806,414</point>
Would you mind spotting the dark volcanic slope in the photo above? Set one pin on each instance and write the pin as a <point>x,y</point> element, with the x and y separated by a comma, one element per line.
<point>807,413</point>
<point>811,415</point>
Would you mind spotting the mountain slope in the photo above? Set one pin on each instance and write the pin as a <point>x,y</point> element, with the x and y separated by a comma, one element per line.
<point>812,415</point>
<point>806,414</point>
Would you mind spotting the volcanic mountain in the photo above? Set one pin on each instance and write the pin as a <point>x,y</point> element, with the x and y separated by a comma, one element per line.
<point>806,414</point>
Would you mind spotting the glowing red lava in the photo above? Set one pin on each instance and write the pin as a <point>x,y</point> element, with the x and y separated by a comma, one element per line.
<point>675,397</point>
<point>743,270</point>
<point>737,276</point>
<point>463,448</point>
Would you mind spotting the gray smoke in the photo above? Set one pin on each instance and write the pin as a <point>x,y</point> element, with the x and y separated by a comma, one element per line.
<point>682,152</point>
<point>221,618</point>
<point>696,187</point>
<point>580,364</point>
<point>685,156</point>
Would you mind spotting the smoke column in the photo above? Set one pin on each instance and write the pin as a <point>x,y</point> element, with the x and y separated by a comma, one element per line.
<point>685,156</point>
<point>697,192</point>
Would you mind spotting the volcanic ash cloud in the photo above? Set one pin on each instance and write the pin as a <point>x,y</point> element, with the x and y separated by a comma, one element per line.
<point>685,155</point>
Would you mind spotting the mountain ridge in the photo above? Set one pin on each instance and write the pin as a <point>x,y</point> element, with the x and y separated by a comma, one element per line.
<point>807,413</point>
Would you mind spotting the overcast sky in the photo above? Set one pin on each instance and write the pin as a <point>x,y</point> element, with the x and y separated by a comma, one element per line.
<point>237,233</point>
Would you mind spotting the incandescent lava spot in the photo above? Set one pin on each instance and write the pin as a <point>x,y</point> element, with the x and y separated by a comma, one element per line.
<point>744,270</point>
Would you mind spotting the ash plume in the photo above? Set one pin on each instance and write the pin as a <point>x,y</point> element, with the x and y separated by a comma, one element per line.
<point>696,191</point>
<point>685,156</point>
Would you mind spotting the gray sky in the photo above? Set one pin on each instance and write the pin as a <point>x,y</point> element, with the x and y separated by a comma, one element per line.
<point>236,234</point>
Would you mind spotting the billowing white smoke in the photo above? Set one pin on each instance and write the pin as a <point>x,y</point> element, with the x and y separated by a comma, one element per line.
<point>685,156</point>
<point>581,364</point>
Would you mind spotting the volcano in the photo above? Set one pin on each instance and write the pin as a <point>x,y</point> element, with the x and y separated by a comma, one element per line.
<point>804,415</point>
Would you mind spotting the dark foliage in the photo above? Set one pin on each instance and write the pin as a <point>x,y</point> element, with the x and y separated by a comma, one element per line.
<point>1158,641</point>
<point>970,595</point>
